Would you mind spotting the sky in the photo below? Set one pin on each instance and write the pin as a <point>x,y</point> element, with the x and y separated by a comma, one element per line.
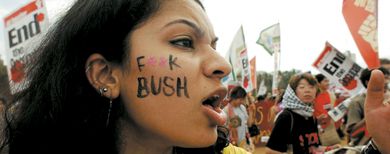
<point>305,26</point>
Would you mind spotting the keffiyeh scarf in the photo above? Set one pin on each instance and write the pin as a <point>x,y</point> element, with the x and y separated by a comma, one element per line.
<point>293,103</point>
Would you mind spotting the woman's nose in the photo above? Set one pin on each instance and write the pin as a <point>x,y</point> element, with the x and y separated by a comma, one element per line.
<point>216,66</point>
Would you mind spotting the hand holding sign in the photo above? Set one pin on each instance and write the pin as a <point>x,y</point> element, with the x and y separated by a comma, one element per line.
<point>377,114</point>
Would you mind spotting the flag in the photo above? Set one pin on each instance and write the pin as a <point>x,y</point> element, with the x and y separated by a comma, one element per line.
<point>361,17</point>
<point>253,72</point>
<point>262,89</point>
<point>246,72</point>
<point>233,56</point>
<point>270,38</point>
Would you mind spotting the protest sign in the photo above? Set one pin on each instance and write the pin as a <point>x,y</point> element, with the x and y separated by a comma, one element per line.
<point>246,72</point>
<point>21,27</point>
<point>253,72</point>
<point>339,69</point>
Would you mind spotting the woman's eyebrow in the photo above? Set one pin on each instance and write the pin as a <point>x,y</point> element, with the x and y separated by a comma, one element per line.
<point>194,26</point>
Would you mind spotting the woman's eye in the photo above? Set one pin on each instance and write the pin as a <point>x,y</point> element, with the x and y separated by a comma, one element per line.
<point>184,42</point>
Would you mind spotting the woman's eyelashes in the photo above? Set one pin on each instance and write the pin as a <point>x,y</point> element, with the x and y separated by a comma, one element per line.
<point>183,42</point>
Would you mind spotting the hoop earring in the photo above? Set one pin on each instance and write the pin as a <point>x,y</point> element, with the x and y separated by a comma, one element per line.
<point>86,70</point>
<point>109,109</point>
<point>101,92</point>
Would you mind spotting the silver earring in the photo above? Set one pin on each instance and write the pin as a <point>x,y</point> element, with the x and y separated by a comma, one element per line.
<point>86,70</point>
<point>101,92</point>
<point>105,89</point>
<point>109,109</point>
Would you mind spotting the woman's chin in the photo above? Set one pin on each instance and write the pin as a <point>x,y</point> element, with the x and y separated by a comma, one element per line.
<point>201,141</point>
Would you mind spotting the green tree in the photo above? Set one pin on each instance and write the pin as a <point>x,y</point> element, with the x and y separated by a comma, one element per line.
<point>285,77</point>
<point>267,77</point>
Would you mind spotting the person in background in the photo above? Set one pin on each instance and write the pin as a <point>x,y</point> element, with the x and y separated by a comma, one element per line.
<point>356,123</point>
<point>386,64</point>
<point>377,115</point>
<point>122,77</point>
<point>296,127</point>
<point>239,119</point>
<point>324,101</point>
<point>260,99</point>
<point>268,97</point>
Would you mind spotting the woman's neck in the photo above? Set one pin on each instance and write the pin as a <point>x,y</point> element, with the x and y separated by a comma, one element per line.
<point>132,140</point>
<point>235,105</point>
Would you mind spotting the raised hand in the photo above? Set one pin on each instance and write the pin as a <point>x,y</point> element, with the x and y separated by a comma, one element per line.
<point>377,113</point>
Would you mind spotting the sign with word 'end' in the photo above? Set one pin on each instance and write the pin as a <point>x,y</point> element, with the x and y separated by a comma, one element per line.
<point>20,27</point>
<point>339,69</point>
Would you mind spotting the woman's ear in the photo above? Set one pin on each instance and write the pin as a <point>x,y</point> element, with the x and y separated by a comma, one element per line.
<point>100,75</point>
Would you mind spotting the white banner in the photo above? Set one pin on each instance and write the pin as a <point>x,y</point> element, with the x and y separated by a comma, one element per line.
<point>262,89</point>
<point>233,56</point>
<point>22,26</point>
<point>275,80</point>
<point>339,69</point>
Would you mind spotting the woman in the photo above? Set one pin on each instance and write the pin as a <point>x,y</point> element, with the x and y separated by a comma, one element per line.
<point>239,119</point>
<point>123,76</point>
<point>296,127</point>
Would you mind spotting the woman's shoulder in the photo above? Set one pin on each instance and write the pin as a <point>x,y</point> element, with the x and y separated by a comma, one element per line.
<point>286,114</point>
<point>230,149</point>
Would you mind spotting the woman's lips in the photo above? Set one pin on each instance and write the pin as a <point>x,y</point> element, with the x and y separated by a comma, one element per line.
<point>216,115</point>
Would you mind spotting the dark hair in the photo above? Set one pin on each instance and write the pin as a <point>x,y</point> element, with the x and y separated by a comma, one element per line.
<point>320,77</point>
<point>366,74</point>
<point>260,98</point>
<point>310,78</point>
<point>59,111</point>
<point>3,101</point>
<point>237,93</point>
<point>384,61</point>
<point>281,97</point>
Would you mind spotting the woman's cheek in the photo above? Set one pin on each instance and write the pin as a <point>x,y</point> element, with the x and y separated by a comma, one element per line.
<point>167,84</point>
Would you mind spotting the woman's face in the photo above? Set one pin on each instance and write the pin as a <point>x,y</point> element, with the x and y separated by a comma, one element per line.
<point>305,92</point>
<point>175,74</point>
<point>238,101</point>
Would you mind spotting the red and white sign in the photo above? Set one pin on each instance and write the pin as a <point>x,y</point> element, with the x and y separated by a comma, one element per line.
<point>339,69</point>
<point>361,17</point>
<point>22,26</point>
<point>253,72</point>
<point>246,71</point>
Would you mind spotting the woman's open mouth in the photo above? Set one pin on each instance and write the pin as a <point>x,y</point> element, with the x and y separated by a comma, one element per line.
<point>212,110</point>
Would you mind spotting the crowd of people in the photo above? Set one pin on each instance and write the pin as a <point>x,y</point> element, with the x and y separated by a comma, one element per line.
<point>144,76</point>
